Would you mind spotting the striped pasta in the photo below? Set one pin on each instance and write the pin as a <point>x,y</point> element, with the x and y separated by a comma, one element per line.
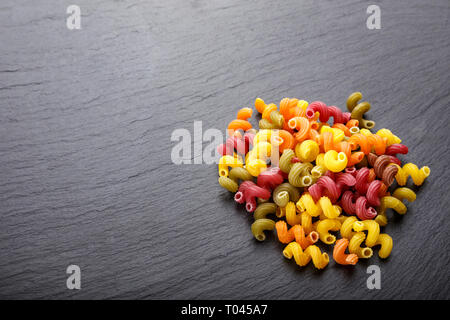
<point>261,225</point>
<point>340,256</point>
<point>300,175</point>
<point>228,184</point>
<point>302,258</point>
<point>359,109</point>
<point>264,209</point>
<point>386,243</point>
<point>316,177</point>
<point>373,230</point>
<point>324,227</point>
<point>417,175</point>
<point>296,232</point>
<point>284,193</point>
<point>355,246</point>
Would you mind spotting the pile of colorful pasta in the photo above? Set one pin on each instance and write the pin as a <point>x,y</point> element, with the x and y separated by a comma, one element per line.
<point>318,177</point>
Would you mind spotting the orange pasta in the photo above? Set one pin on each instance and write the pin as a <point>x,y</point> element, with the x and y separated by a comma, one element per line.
<point>238,124</point>
<point>244,113</point>
<point>352,123</point>
<point>302,125</point>
<point>366,143</point>
<point>288,140</point>
<point>297,233</point>
<point>268,110</point>
<point>339,254</point>
<point>286,106</point>
<point>343,128</point>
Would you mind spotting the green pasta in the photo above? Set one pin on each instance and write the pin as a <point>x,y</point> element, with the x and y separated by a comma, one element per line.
<point>239,173</point>
<point>264,209</point>
<point>358,109</point>
<point>279,194</point>
<point>261,225</point>
<point>276,121</point>
<point>300,174</point>
<point>285,160</point>
<point>228,184</point>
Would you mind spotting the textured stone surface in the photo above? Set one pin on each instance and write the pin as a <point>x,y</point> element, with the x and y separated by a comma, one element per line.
<point>86,116</point>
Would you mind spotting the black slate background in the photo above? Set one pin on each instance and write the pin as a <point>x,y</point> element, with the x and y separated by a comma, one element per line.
<point>86,117</point>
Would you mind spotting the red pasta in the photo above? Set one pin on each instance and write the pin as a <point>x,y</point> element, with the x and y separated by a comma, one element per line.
<point>248,192</point>
<point>238,144</point>
<point>325,186</point>
<point>270,178</point>
<point>362,211</point>
<point>348,202</point>
<point>393,149</point>
<point>326,112</point>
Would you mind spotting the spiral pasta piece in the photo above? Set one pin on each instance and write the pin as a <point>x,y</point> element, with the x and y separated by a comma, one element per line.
<point>334,161</point>
<point>391,138</point>
<point>373,230</point>
<point>322,207</point>
<point>340,256</point>
<point>307,151</point>
<point>293,193</point>
<point>239,173</point>
<point>302,258</point>
<point>383,168</point>
<point>404,193</point>
<point>261,225</point>
<point>355,246</point>
<point>417,175</point>
<point>359,109</point>
<point>238,124</point>
<point>347,227</point>
<point>386,243</point>
<point>324,227</point>
<point>244,113</point>
<point>291,214</point>
<point>300,175</point>
<point>228,161</point>
<point>286,160</point>
<point>228,184</point>
<point>264,209</point>
<point>296,232</point>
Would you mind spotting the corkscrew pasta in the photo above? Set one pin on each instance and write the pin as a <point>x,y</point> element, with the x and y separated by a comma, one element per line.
<point>319,173</point>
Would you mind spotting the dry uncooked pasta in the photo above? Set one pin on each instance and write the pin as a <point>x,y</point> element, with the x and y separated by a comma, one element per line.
<point>313,172</point>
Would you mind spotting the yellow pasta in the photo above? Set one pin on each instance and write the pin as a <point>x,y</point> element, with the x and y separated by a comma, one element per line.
<point>291,214</point>
<point>417,175</point>
<point>324,227</point>
<point>391,138</point>
<point>302,258</point>
<point>324,205</point>
<point>347,227</point>
<point>404,193</point>
<point>307,151</point>
<point>338,134</point>
<point>256,166</point>
<point>386,203</point>
<point>335,161</point>
<point>373,230</point>
<point>386,245</point>
<point>354,246</point>
<point>306,222</point>
<point>228,161</point>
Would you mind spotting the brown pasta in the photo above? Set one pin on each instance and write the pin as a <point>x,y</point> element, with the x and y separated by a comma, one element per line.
<point>382,167</point>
